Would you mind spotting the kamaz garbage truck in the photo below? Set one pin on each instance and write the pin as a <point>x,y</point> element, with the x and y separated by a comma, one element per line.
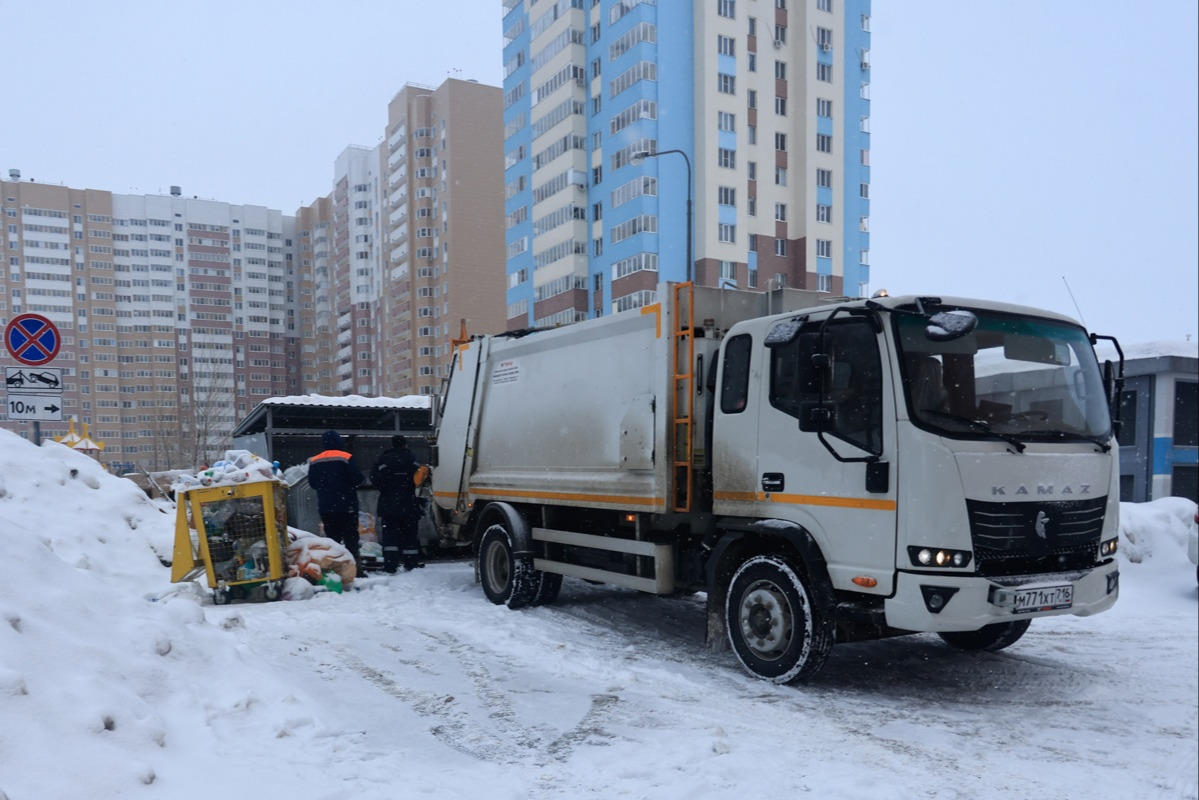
<point>823,470</point>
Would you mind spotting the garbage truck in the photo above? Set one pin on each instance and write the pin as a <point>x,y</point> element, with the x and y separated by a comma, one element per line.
<point>823,470</point>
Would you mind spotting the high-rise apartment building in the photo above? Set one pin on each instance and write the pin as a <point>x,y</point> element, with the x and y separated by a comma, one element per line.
<point>179,315</point>
<point>442,218</point>
<point>175,314</point>
<point>725,141</point>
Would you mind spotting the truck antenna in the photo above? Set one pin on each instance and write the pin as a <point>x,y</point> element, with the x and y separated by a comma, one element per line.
<point>1072,300</point>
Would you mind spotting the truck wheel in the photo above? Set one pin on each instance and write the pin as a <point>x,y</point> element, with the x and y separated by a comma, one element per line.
<point>547,590</point>
<point>774,625</point>
<point>991,637</point>
<point>507,580</point>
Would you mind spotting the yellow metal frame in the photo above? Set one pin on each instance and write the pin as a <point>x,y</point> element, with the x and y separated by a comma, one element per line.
<point>192,555</point>
<point>683,401</point>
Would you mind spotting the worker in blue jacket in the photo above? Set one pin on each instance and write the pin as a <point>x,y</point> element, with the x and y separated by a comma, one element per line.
<point>399,509</point>
<point>335,477</point>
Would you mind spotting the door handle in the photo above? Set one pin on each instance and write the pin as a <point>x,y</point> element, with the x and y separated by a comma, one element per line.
<point>772,481</point>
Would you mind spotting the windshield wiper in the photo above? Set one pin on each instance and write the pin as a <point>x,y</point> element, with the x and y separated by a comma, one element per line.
<point>1071,436</point>
<point>974,424</point>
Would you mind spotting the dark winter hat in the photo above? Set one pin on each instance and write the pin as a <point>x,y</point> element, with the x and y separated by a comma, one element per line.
<point>331,439</point>
<point>399,441</point>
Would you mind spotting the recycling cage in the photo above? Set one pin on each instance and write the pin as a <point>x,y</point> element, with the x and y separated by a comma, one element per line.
<point>236,534</point>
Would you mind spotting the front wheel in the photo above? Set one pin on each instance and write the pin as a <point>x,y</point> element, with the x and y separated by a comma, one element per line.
<point>990,637</point>
<point>777,629</point>
<point>507,580</point>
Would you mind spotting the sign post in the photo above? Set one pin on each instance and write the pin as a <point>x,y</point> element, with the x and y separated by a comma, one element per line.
<point>34,341</point>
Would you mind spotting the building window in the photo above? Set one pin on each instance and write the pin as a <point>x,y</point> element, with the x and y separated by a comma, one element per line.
<point>752,61</point>
<point>824,143</point>
<point>727,158</point>
<point>824,108</point>
<point>824,38</point>
<point>864,157</point>
<point>728,271</point>
<point>824,213</point>
<point>724,46</point>
<point>780,106</point>
<point>752,133</point>
<point>780,212</point>
<point>726,8</point>
<point>726,84</point>
<point>780,34</point>
<point>726,233</point>
<point>727,195</point>
<point>751,206</point>
<point>824,5</point>
<point>752,24</point>
<point>752,280</point>
<point>780,247</point>
<point>751,99</point>
<point>824,283</point>
<point>864,257</point>
<point>780,141</point>
<point>780,176</point>
<point>780,70</point>
<point>824,248</point>
<point>726,121</point>
<point>864,191</point>
<point>751,168</point>
<point>824,72</point>
<point>753,242</point>
<point>866,22</point>
<point>824,178</point>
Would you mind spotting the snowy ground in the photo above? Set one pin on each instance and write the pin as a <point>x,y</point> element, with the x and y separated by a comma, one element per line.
<point>115,683</point>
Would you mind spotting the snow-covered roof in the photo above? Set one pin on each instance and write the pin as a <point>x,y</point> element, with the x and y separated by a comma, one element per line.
<point>353,400</point>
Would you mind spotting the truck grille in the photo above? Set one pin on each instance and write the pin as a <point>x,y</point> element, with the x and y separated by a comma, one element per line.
<point>1035,537</point>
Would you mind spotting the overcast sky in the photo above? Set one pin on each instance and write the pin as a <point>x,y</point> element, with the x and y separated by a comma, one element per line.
<point>1035,152</point>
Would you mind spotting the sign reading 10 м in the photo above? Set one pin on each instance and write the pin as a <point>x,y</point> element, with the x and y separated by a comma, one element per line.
<point>34,390</point>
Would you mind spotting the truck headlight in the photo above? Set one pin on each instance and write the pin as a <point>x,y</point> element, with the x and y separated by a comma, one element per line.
<point>939,557</point>
<point>1109,547</point>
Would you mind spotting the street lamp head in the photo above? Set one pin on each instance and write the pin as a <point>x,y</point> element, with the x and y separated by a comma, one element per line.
<point>640,156</point>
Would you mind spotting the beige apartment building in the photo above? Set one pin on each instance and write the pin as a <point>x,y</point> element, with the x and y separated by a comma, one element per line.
<point>443,223</point>
<point>178,315</point>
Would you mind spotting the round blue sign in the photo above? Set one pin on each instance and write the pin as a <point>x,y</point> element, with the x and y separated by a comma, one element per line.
<point>32,339</point>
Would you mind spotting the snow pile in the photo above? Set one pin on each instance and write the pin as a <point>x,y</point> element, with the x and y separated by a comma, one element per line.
<point>108,675</point>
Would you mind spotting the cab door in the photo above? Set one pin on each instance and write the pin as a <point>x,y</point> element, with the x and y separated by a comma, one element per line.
<point>826,444</point>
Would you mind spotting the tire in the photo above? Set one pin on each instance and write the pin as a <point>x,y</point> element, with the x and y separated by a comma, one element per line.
<point>506,579</point>
<point>220,597</point>
<point>991,637</point>
<point>271,590</point>
<point>775,626</point>
<point>547,590</point>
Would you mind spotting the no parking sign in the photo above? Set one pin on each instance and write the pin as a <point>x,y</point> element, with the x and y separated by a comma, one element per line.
<point>32,339</point>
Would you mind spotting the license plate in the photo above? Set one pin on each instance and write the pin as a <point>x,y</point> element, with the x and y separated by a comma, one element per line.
<point>1043,598</point>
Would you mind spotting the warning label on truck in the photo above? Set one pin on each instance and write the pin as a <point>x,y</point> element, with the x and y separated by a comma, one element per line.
<point>505,372</point>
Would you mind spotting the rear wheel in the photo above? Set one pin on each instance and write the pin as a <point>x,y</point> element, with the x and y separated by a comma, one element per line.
<point>507,580</point>
<point>775,625</point>
<point>991,637</point>
<point>547,589</point>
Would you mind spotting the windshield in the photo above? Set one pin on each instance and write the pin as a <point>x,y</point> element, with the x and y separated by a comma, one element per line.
<point>1011,377</point>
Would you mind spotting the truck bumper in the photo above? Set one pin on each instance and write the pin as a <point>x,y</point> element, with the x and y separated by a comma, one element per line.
<point>925,602</point>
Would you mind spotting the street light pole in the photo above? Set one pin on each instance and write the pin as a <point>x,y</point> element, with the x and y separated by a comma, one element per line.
<point>645,154</point>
